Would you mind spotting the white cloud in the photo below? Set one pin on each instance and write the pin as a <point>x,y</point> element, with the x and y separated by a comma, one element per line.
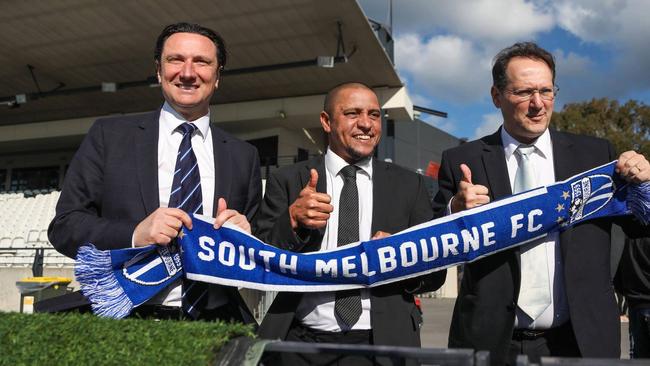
<point>586,22</point>
<point>454,65</point>
<point>444,48</point>
<point>503,20</point>
<point>619,26</point>
<point>443,67</point>
<point>571,63</point>
<point>489,124</point>
<point>486,20</point>
<point>575,77</point>
<point>602,21</point>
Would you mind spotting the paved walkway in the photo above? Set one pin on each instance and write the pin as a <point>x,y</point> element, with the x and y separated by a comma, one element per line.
<point>437,317</point>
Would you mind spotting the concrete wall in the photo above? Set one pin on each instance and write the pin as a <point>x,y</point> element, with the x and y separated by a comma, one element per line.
<point>9,294</point>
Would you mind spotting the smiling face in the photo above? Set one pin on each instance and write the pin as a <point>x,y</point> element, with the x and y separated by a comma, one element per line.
<point>528,119</point>
<point>353,123</point>
<point>188,73</point>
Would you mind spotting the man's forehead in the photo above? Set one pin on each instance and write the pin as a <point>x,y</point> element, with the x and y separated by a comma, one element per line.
<point>536,70</point>
<point>187,41</point>
<point>524,65</point>
<point>353,96</point>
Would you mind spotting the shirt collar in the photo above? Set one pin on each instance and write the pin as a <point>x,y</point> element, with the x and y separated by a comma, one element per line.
<point>542,144</point>
<point>334,163</point>
<point>170,119</point>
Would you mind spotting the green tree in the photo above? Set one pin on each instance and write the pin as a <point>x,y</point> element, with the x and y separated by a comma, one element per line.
<point>627,126</point>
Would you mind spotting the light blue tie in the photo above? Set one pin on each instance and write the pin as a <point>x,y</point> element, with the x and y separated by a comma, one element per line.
<point>534,292</point>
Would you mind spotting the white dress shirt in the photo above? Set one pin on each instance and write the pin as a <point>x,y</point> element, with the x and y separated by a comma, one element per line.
<point>542,158</point>
<point>168,142</point>
<point>316,310</point>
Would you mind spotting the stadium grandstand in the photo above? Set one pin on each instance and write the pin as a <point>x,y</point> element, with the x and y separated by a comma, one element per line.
<point>74,61</point>
<point>27,215</point>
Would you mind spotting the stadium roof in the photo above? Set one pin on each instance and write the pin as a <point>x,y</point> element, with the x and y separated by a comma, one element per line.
<point>73,46</point>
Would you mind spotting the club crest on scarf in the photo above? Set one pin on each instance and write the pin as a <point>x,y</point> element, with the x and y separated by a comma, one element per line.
<point>145,267</point>
<point>590,194</point>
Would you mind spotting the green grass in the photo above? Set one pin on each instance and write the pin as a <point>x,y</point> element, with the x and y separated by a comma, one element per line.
<point>74,339</point>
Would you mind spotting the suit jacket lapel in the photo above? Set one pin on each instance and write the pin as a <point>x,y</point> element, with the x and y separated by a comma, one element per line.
<point>494,163</point>
<point>146,158</point>
<point>380,190</point>
<point>496,169</point>
<point>563,148</point>
<point>222,167</point>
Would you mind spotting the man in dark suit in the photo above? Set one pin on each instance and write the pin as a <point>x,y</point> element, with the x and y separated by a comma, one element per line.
<point>120,190</point>
<point>633,281</point>
<point>553,296</point>
<point>310,207</point>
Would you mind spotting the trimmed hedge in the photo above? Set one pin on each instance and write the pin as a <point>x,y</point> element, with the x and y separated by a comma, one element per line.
<point>83,339</point>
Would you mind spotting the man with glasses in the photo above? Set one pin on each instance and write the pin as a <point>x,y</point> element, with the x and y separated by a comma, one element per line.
<point>553,296</point>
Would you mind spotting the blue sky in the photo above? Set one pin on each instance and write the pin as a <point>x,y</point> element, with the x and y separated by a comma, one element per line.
<point>444,50</point>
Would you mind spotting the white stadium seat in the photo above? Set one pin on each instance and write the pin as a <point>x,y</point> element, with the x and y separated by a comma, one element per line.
<point>42,236</point>
<point>5,242</point>
<point>32,236</point>
<point>23,224</point>
<point>18,242</point>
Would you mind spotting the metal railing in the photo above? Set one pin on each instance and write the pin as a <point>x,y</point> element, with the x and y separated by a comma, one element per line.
<point>243,350</point>
<point>424,356</point>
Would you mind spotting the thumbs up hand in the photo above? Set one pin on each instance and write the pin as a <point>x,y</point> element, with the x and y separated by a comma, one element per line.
<point>469,195</point>
<point>232,216</point>
<point>311,209</point>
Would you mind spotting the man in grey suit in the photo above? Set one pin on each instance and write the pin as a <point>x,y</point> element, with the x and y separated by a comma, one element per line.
<point>553,296</point>
<point>343,197</point>
<point>119,185</point>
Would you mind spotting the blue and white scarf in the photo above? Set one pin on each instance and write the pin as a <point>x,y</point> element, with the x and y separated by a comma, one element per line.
<point>118,280</point>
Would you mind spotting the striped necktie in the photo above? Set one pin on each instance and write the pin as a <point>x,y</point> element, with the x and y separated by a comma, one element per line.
<point>186,195</point>
<point>186,185</point>
<point>347,305</point>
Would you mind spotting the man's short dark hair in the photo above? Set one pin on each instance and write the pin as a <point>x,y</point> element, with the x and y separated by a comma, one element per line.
<point>191,28</point>
<point>521,49</point>
<point>329,98</point>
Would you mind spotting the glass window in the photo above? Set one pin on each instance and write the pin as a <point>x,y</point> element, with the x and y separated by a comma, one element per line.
<point>267,148</point>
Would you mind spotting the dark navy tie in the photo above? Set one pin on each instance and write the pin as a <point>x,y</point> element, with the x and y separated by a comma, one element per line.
<point>186,186</point>
<point>186,195</point>
<point>347,305</point>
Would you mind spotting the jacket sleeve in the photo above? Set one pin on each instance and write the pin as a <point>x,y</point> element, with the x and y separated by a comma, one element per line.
<point>78,212</point>
<point>254,188</point>
<point>423,212</point>
<point>446,187</point>
<point>272,224</point>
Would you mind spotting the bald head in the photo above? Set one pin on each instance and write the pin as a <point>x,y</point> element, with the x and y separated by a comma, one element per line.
<point>334,93</point>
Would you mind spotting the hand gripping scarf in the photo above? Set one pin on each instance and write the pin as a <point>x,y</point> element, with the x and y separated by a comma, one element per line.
<point>118,280</point>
